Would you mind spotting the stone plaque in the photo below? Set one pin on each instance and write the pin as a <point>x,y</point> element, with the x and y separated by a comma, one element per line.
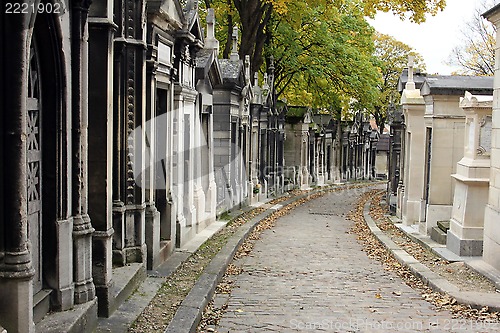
<point>164,54</point>
<point>485,135</point>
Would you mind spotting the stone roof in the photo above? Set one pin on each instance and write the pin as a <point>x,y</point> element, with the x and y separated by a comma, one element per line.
<point>231,70</point>
<point>491,11</point>
<point>322,119</point>
<point>202,57</point>
<point>457,85</point>
<point>383,142</point>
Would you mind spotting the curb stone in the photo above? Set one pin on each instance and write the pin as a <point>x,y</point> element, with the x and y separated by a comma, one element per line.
<point>437,283</point>
<point>189,313</point>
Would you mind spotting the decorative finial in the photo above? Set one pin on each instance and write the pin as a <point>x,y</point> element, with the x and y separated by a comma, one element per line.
<point>211,42</point>
<point>210,23</point>
<point>256,79</point>
<point>410,85</point>
<point>247,69</point>
<point>234,54</point>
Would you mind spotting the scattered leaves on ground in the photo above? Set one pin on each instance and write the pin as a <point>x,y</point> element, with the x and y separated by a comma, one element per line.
<point>377,251</point>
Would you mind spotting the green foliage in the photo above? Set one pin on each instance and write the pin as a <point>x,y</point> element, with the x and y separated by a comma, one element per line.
<point>324,49</point>
<point>324,56</point>
<point>393,58</point>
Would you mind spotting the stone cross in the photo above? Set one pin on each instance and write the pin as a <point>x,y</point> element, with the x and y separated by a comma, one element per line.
<point>234,54</point>
<point>211,42</point>
<point>210,23</point>
<point>410,85</point>
<point>411,63</point>
<point>247,69</point>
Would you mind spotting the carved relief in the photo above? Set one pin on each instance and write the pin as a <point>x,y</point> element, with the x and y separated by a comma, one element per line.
<point>485,136</point>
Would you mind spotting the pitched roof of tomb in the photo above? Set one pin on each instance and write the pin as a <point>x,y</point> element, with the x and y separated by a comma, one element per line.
<point>457,85</point>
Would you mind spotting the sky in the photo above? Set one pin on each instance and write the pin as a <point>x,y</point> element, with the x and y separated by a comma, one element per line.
<point>433,39</point>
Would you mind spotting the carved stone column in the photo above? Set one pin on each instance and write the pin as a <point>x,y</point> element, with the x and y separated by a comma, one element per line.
<point>82,228</point>
<point>130,143</point>
<point>101,33</point>
<point>16,270</point>
<point>413,109</point>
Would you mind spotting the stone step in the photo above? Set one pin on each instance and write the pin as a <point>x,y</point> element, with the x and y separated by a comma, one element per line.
<point>82,318</point>
<point>41,304</point>
<point>126,280</point>
<point>438,235</point>
<point>486,270</point>
<point>443,225</point>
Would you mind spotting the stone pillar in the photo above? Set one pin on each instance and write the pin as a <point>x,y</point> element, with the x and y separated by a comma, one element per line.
<point>254,153</point>
<point>101,31</point>
<point>491,245</point>
<point>82,228</point>
<point>304,157</point>
<point>199,199</point>
<point>465,236</point>
<point>413,109</point>
<point>401,188</point>
<point>211,195</point>
<point>16,270</point>
<point>152,155</point>
<point>189,158</point>
<point>129,202</point>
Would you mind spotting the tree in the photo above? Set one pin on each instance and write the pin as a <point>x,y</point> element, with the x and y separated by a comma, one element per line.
<point>253,17</point>
<point>324,56</point>
<point>476,53</point>
<point>393,58</point>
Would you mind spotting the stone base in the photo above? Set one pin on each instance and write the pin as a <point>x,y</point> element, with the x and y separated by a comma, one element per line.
<point>438,235</point>
<point>464,247</point>
<point>125,281</point>
<point>16,304</point>
<point>491,244</point>
<point>82,318</point>
<point>414,213</point>
<point>152,236</point>
<point>435,213</point>
<point>183,234</point>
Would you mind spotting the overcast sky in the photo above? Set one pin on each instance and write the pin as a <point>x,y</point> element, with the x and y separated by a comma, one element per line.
<point>433,39</point>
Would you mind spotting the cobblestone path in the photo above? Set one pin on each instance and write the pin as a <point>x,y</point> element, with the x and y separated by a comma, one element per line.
<point>309,274</point>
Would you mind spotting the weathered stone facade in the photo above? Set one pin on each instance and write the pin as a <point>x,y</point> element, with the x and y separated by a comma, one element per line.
<point>434,126</point>
<point>46,243</point>
<point>311,148</point>
<point>491,245</point>
<point>465,236</point>
<point>114,144</point>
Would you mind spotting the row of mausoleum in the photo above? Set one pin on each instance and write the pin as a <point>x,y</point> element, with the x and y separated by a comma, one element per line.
<point>443,162</point>
<point>123,137</point>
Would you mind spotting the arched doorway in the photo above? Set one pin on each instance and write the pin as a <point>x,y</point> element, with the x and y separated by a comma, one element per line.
<point>34,166</point>
<point>46,161</point>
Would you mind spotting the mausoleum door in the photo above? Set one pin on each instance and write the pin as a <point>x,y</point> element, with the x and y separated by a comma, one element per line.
<point>428,155</point>
<point>34,166</point>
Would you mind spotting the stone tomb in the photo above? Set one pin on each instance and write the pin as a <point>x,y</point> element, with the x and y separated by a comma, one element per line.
<point>444,140</point>
<point>465,236</point>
